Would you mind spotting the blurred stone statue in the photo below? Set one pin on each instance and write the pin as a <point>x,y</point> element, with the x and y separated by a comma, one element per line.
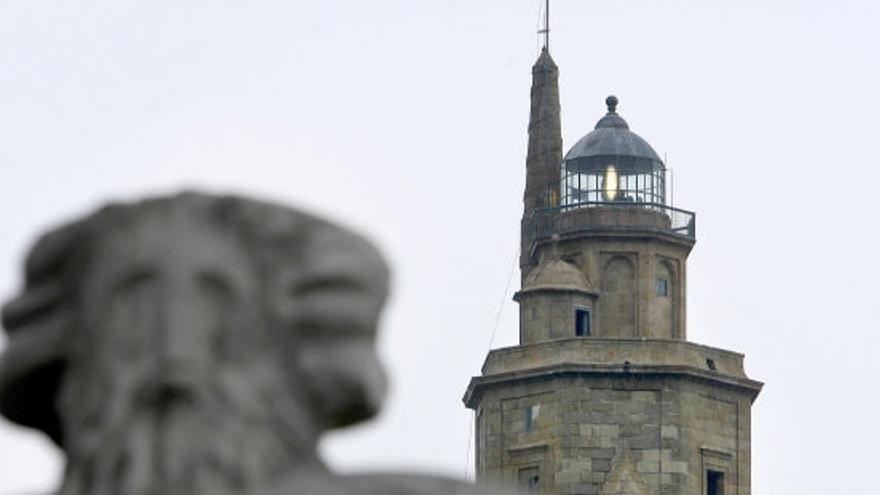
<point>197,344</point>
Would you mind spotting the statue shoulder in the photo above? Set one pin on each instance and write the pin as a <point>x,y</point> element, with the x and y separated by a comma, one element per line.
<point>384,484</point>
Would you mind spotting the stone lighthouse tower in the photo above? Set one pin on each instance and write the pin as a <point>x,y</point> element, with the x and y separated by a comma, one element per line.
<point>604,394</point>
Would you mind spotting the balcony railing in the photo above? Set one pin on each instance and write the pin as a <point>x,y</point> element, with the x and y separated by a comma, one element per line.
<point>591,215</point>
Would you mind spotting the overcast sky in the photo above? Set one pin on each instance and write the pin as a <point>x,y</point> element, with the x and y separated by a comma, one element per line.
<point>407,121</point>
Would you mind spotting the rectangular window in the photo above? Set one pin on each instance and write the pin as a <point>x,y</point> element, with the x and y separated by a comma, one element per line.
<point>582,323</point>
<point>662,287</point>
<point>529,478</point>
<point>533,482</point>
<point>531,417</point>
<point>714,483</point>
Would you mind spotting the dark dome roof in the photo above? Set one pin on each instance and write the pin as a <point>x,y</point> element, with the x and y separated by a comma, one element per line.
<point>612,139</point>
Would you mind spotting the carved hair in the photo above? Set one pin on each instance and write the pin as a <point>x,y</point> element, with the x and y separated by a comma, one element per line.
<point>294,253</point>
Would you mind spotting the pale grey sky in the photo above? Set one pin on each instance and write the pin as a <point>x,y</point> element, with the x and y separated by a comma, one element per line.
<point>406,120</point>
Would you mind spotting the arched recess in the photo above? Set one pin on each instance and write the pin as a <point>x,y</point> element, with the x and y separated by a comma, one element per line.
<point>618,298</point>
<point>663,308</point>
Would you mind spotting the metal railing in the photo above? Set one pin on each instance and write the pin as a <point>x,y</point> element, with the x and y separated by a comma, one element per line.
<point>546,222</point>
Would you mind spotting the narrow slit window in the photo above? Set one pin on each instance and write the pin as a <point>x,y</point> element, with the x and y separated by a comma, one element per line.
<point>662,287</point>
<point>531,416</point>
<point>582,323</point>
<point>714,483</point>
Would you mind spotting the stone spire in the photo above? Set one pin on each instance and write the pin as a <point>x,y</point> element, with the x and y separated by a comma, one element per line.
<point>545,137</point>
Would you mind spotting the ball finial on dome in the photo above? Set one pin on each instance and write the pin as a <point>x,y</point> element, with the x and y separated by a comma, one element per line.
<point>612,101</point>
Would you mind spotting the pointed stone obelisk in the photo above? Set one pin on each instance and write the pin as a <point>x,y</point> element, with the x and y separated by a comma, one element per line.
<point>545,148</point>
<point>545,137</point>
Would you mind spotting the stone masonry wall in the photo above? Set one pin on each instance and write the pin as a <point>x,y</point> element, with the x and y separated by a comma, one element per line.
<point>615,435</point>
<point>625,272</point>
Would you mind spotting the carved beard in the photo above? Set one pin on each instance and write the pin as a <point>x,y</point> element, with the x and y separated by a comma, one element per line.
<point>158,434</point>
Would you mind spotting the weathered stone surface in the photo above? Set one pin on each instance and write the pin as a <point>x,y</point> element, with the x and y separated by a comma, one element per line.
<point>197,344</point>
<point>545,137</point>
<point>673,428</point>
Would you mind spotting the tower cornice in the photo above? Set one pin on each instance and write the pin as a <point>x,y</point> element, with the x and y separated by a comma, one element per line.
<point>616,357</point>
<point>479,384</point>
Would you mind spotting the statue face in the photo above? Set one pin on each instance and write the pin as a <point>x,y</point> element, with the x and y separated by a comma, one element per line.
<point>175,387</point>
<point>173,296</point>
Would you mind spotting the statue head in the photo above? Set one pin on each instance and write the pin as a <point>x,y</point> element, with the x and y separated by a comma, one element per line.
<point>192,343</point>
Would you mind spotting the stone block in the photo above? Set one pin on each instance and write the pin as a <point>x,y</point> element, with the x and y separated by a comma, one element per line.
<point>566,477</point>
<point>650,455</point>
<point>601,465</point>
<point>582,489</point>
<point>676,467</point>
<point>578,465</point>
<point>668,431</point>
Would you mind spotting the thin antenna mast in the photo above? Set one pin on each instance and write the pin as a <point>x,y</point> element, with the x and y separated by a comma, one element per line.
<point>546,30</point>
